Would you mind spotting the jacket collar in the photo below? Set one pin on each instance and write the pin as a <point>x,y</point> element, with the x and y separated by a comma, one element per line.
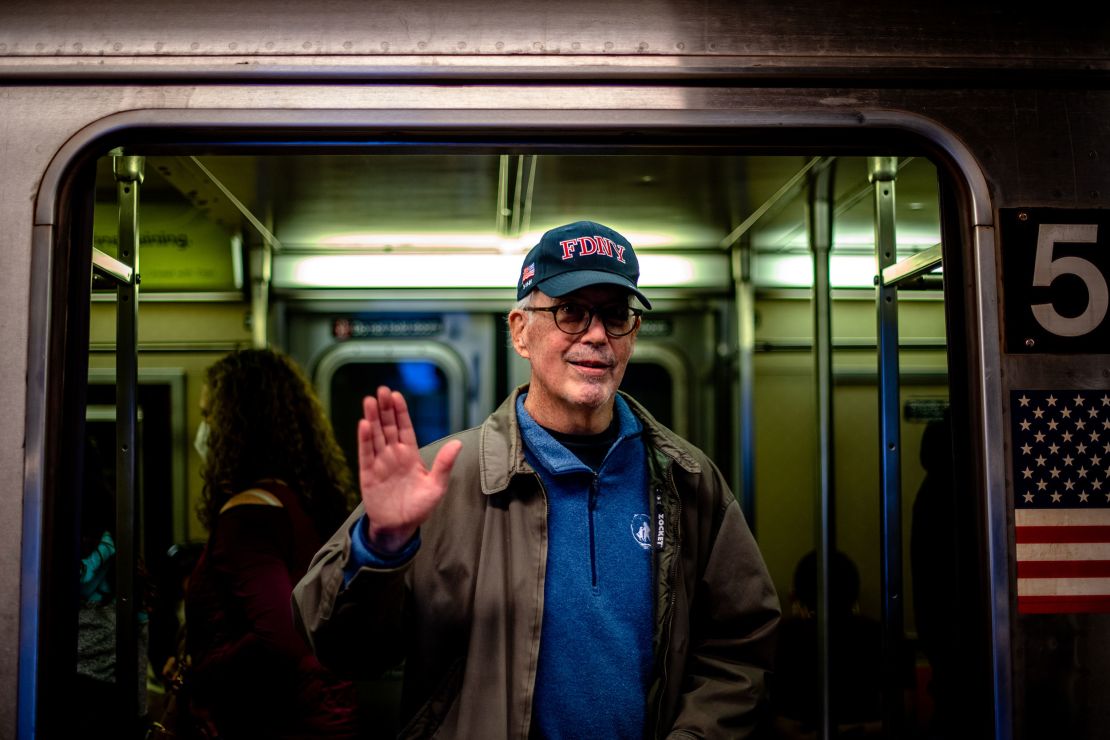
<point>501,450</point>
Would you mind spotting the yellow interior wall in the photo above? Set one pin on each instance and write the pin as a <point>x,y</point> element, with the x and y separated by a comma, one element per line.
<point>786,437</point>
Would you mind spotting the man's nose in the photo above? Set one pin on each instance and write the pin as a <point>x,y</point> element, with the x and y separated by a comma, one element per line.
<point>595,332</point>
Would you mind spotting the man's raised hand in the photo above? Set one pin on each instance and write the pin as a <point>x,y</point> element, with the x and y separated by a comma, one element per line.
<point>398,491</point>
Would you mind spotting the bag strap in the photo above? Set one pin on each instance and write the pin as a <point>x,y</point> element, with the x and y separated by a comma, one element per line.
<point>252,497</point>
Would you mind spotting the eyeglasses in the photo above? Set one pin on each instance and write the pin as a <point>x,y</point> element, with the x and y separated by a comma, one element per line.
<point>574,318</point>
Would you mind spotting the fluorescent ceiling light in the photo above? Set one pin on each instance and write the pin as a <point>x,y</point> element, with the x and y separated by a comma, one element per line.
<point>293,271</point>
<point>637,239</point>
<point>796,270</point>
<point>378,240</point>
<point>483,242</point>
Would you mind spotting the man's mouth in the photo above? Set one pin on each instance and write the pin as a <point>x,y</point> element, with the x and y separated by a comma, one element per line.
<point>591,366</point>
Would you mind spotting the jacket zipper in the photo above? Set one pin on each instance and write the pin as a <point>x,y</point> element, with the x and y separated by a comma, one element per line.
<point>670,610</point>
<point>531,692</point>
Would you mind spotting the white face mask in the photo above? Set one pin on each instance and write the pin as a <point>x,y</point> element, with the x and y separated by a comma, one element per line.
<point>200,442</point>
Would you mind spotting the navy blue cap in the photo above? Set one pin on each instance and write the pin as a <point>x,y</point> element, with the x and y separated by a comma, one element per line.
<point>577,255</point>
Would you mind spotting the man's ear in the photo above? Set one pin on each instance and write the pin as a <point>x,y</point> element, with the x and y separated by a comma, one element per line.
<point>517,323</point>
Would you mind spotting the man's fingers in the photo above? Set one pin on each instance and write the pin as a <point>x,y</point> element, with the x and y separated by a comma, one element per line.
<point>388,414</point>
<point>445,460</point>
<point>372,417</point>
<point>365,447</point>
<point>405,431</point>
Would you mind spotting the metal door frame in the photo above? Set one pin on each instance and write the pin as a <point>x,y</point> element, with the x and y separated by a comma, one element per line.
<point>153,124</point>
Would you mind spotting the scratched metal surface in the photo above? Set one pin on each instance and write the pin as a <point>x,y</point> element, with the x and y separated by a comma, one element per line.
<point>808,32</point>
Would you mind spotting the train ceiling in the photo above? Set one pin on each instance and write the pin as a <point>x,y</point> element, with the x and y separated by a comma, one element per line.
<point>311,204</point>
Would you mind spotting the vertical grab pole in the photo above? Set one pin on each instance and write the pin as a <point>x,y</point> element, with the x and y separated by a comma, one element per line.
<point>820,226</point>
<point>745,406</point>
<point>882,172</point>
<point>129,177</point>
<point>261,260</point>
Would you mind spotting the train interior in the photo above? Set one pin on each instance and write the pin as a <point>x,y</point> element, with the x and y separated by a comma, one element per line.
<point>397,267</point>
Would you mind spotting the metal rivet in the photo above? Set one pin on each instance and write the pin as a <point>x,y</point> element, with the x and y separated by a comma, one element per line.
<point>1023,216</point>
<point>1029,343</point>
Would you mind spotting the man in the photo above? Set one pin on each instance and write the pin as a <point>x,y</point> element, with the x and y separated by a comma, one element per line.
<point>570,568</point>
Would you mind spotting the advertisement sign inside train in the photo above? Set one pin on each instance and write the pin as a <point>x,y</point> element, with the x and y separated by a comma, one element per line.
<point>1056,279</point>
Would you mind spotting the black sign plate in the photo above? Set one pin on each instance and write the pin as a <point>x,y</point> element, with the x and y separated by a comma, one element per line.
<point>353,328</point>
<point>1056,280</point>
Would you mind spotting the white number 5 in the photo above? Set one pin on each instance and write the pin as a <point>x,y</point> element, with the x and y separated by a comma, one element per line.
<point>1047,269</point>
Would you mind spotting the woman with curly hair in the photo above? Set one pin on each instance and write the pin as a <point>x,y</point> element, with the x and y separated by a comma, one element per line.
<point>276,486</point>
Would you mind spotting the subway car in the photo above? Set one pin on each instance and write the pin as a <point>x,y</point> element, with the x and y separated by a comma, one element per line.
<point>875,239</point>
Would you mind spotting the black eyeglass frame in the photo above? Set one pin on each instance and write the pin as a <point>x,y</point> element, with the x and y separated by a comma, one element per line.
<point>590,313</point>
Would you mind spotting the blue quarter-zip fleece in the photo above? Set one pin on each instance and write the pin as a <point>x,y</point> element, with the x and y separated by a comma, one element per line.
<point>595,646</point>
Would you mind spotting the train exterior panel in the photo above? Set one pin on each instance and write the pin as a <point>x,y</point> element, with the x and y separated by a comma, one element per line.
<point>1010,105</point>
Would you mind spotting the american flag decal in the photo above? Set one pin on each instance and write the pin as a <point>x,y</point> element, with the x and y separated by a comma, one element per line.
<point>527,273</point>
<point>1061,476</point>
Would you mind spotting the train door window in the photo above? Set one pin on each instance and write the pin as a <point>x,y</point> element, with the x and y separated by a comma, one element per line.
<point>430,375</point>
<point>657,377</point>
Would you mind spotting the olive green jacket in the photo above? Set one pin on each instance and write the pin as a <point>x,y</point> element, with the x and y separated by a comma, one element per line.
<point>465,612</point>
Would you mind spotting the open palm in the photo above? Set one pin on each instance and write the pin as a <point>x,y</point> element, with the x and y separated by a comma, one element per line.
<point>398,491</point>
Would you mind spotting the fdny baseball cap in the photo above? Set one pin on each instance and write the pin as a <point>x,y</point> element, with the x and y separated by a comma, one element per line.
<point>576,255</point>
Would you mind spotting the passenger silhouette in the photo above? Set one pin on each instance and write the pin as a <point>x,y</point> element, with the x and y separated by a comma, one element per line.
<point>855,655</point>
<point>933,563</point>
<point>167,623</point>
<point>275,485</point>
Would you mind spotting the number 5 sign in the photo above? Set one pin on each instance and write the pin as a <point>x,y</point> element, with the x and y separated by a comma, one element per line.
<point>1055,264</point>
